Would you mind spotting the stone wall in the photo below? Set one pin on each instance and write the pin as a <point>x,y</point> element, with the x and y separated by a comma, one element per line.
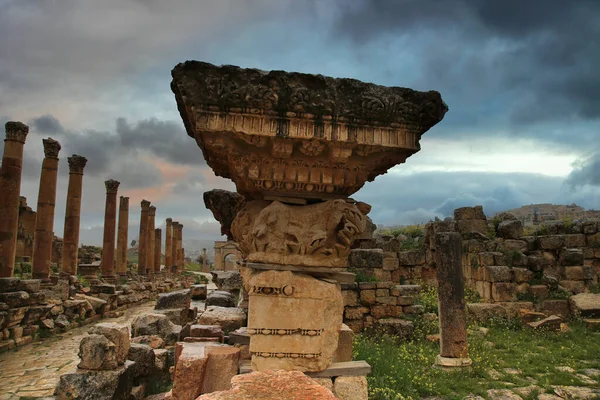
<point>375,304</point>
<point>30,309</point>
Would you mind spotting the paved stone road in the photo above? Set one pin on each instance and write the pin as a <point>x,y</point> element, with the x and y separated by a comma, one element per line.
<point>33,371</point>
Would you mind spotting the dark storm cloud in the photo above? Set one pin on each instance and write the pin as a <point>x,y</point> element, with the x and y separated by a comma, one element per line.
<point>118,152</point>
<point>586,172</point>
<point>535,61</point>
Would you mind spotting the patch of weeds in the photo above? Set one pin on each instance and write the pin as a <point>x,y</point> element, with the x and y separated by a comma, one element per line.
<point>362,275</point>
<point>428,298</point>
<point>595,289</point>
<point>558,294</point>
<point>157,386</point>
<point>472,296</point>
<point>527,296</point>
<point>83,281</point>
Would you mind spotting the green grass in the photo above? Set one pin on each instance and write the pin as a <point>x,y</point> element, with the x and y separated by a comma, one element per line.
<point>403,370</point>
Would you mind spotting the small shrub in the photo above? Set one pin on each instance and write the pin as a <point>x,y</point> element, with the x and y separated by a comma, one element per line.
<point>362,275</point>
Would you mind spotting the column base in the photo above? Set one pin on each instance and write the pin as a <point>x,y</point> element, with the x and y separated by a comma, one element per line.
<point>110,278</point>
<point>451,363</point>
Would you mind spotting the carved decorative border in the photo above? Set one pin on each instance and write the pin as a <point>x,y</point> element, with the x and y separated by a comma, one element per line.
<point>286,355</point>
<point>283,332</point>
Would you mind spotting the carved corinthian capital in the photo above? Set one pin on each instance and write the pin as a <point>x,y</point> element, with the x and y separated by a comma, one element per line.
<point>51,148</point>
<point>124,203</point>
<point>145,205</point>
<point>76,164</point>
<point>152,211</point>
<point>16,131</point>
<point>112,186</point>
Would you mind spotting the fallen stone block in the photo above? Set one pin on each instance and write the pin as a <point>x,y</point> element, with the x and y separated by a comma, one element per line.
<point>155,342</point>
<point>220,298</point>
<point>97,353</point>
<point>227,280</point>
<point>178,299</point>
<point>228,318</point>
<point>222,366</point>
<point>585,304</point>
<point>270,385</point>
<point>143,357</point>
<point>551,323</point>
<point>351,388</point>
<point>96,385</point>
<point>118,334</point>
<point>155,324</point>
<point>178,316</point>
<point>198,292</point>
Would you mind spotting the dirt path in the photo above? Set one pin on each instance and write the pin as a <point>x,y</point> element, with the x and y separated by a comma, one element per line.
<point>33,371</point>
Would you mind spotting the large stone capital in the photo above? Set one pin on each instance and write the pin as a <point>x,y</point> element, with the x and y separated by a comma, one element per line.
<point>51,148</point>
<point>16,131</point>
<point>112,186</point>
<point>169,222</point>
<point>299,135</point>
<point>124,203</point>
<point>152,211</point>
<point>76,164</point>
<point>145,205</point>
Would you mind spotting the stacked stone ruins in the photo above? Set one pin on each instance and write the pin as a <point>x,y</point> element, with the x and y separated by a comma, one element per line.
<point>55,299</point>
<point>297,146</point>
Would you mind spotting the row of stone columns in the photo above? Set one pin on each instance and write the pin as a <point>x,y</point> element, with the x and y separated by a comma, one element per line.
<point>150,242</point>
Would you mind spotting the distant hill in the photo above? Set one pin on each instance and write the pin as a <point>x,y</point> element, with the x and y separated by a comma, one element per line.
<point>538,213</point>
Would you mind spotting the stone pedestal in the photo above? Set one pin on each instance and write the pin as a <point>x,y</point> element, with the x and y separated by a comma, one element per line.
<point>150,245</point>
<point>110,227</point>
<point>294,320</point>
<point>72,215</point>
<point>10,182</point>
<point>454,350</point>
<point>168,244</point>
<point>122,236</point>
<point>143,239</point>
<point>44,226</point>
<point>157,249</point>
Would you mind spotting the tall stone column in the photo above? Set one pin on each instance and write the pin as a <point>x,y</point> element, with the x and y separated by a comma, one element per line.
<point>174,237</point>
<point>182,258</point>
<point>10,182</point>
<point>122,236</point>
<point>204,261</point>
<point>72,215</point>
<point>150,247</point>
<point>110,228</point>
<point>157,249</point>
<point>454,350</point>
<point>168,245</point>
<point>44,225</point>
<point>179,247</point>
<point>143,239</point>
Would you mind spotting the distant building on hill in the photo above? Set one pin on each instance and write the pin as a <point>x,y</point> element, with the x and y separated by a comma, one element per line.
<point>535,214</point>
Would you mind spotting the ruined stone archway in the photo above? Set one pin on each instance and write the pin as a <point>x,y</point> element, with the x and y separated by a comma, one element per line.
<point>222,251</point>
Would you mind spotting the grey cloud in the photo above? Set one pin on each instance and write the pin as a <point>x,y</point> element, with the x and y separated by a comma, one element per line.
<point>515,63</point>
<point>416,198</point>
<point>586,172</point>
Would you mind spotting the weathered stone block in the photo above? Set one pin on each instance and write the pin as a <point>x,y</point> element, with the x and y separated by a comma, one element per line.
<point>143,357</point>
<point>590,227</point>
<point>118,334</point>
<point>585,304</point>
<point>571,257</point>
<point>198,292</point>
<point>350,298</point>
<point>155,342</point>
<point>96,385</point>
<point>469,213</point>
<point>573,286</point>
<point>228,318</point>
<point>390,264</point>
<point>405,290</point>
<point>503,291</point>
<point>575,240</point>
<point>221,367</point>
<point>345,342</point>
<point>497,273</point>
<point>361,258</point>
<point>351,388</point>
<point>405,300</point>
<point>172,300</point>
<point>227,280</point>
<point>395,327</point>
<point>556,307</point>
<point>466,227</point>
<point>382,292</point>
<point>367,297</point>
<point>539,291</point>
<point>97,353</point>
<point>574,273</point>
<point>220,298</point>
<point>510,229</point>
<point>206,331</point>
<point>411,257</point>
<point>522,275</point>
<point>553,242</point>
<point>355,312</point>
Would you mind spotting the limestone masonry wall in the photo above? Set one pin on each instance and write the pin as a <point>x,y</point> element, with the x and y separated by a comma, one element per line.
<point>30,308</point>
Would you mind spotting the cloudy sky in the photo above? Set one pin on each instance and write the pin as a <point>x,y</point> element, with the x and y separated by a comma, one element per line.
<point>520,78</point>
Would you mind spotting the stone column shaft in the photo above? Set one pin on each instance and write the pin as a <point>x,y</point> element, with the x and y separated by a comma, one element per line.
<point>44,224</point>
<point>110,227</point>
<point>122,236</point>
<point>451,303</point>
<point>169,244</point>
<point>204,261</point>
<point>143,239</point>
<point>180,248</point>
<point>174,237</point>
<point>72,215</point>
<point>151,239</point>
<point>157,249</point>
<point>10,186</point>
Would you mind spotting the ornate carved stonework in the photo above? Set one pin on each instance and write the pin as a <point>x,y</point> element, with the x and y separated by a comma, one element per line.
<point>145,205</point>
<point>299,135</point>
<point>124,203</point>
<point>112,186</point>
<point>76,164</point>
<point>152,211</point>
<point>51,148</point>
<point>16,131</point>
<point>312,235</point>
